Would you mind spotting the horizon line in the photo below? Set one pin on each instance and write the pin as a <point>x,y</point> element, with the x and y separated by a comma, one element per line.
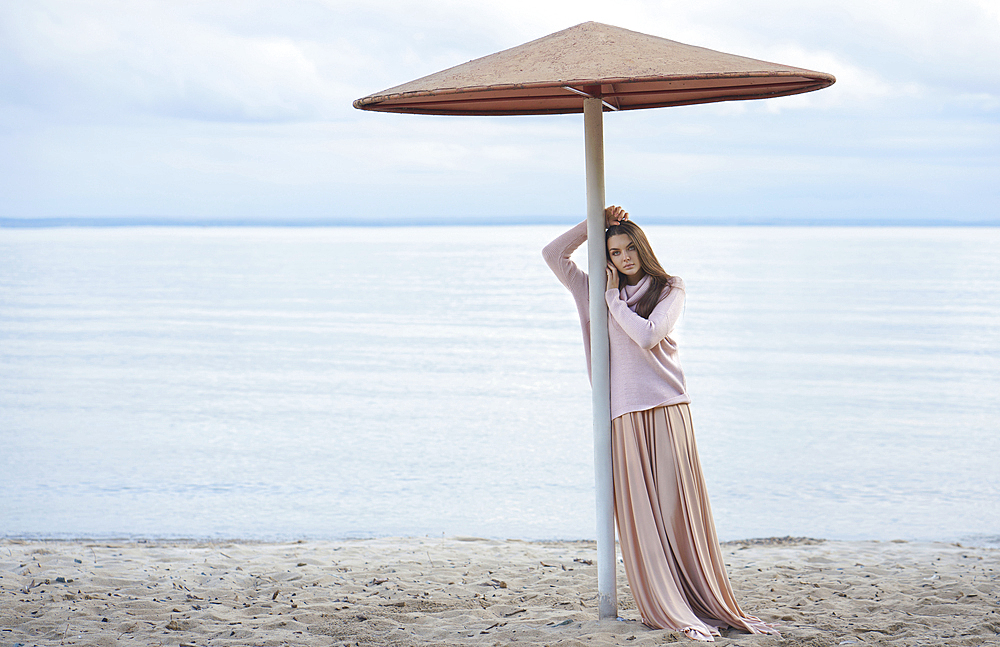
<point>468,221</point>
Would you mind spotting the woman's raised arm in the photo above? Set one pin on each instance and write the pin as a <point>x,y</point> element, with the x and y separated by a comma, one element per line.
<point>557,253</point>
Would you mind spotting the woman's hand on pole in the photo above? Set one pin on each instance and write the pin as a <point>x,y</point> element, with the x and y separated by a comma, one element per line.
<point>612,272</point>
<point>614,215</point>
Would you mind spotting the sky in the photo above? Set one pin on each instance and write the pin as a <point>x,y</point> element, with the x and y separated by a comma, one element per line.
<point>219,110</point>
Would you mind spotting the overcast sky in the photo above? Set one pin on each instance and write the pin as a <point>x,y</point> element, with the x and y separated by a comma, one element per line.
<point>202,109</point>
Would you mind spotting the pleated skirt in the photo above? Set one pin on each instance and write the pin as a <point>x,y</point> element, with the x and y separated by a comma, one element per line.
<point>665,528</point>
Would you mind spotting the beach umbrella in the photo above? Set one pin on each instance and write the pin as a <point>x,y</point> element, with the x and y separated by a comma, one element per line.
<point>593,68</point>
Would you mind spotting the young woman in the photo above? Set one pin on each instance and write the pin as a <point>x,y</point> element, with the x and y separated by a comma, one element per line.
<point>665,529</point>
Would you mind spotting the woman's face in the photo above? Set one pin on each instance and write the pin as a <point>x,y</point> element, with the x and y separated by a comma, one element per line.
<point>621,249</point>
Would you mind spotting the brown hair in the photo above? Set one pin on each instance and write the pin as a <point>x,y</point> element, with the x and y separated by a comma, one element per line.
<point>659,279</point>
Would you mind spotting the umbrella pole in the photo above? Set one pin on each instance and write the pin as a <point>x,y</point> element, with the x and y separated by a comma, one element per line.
<point>593,128</point>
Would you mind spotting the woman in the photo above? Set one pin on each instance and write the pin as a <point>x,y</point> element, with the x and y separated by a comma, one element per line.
<point>665,528</point>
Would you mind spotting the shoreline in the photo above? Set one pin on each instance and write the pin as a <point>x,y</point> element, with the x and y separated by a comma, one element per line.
<point>472,591</point>
<point>967,541</point>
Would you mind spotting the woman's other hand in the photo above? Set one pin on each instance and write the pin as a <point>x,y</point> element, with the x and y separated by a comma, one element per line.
<point>612,273</point>
<point>614,215</point>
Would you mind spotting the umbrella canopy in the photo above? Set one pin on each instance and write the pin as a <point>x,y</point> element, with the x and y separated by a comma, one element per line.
<point>628,70</point>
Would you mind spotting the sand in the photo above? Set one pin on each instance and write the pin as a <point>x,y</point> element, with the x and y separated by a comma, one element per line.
<point>464,591</point>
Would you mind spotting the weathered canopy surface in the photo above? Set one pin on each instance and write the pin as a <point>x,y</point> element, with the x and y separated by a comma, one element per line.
<point>627,69</point>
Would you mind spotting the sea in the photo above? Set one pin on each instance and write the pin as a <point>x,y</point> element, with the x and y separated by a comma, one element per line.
<point>281,383</point>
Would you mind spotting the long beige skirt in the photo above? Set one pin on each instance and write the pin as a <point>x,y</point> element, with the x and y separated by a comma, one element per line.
<point>665,527</point>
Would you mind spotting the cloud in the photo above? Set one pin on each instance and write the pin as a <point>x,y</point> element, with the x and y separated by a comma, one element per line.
<point>115,58</point>
<point>294,61</point>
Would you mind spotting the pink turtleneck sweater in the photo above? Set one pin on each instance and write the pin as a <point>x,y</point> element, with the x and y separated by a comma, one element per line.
<point>645,370</point>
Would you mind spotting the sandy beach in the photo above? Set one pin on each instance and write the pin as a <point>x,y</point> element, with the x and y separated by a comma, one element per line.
<point>469,591</point>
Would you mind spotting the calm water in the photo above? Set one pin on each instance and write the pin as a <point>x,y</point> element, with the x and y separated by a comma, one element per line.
<point>333,382</point>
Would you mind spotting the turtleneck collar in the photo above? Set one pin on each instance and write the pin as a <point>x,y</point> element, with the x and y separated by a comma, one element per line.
<point>634,292</point>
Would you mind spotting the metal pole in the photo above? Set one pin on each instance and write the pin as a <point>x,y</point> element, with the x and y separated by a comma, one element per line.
<point>593,128</point>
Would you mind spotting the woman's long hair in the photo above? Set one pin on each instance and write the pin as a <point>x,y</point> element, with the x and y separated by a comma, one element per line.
<point>659,279</point>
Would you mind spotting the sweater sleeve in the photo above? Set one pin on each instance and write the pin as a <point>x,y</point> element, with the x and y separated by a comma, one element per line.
<point>647,333</point>
<point>557,253</point>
